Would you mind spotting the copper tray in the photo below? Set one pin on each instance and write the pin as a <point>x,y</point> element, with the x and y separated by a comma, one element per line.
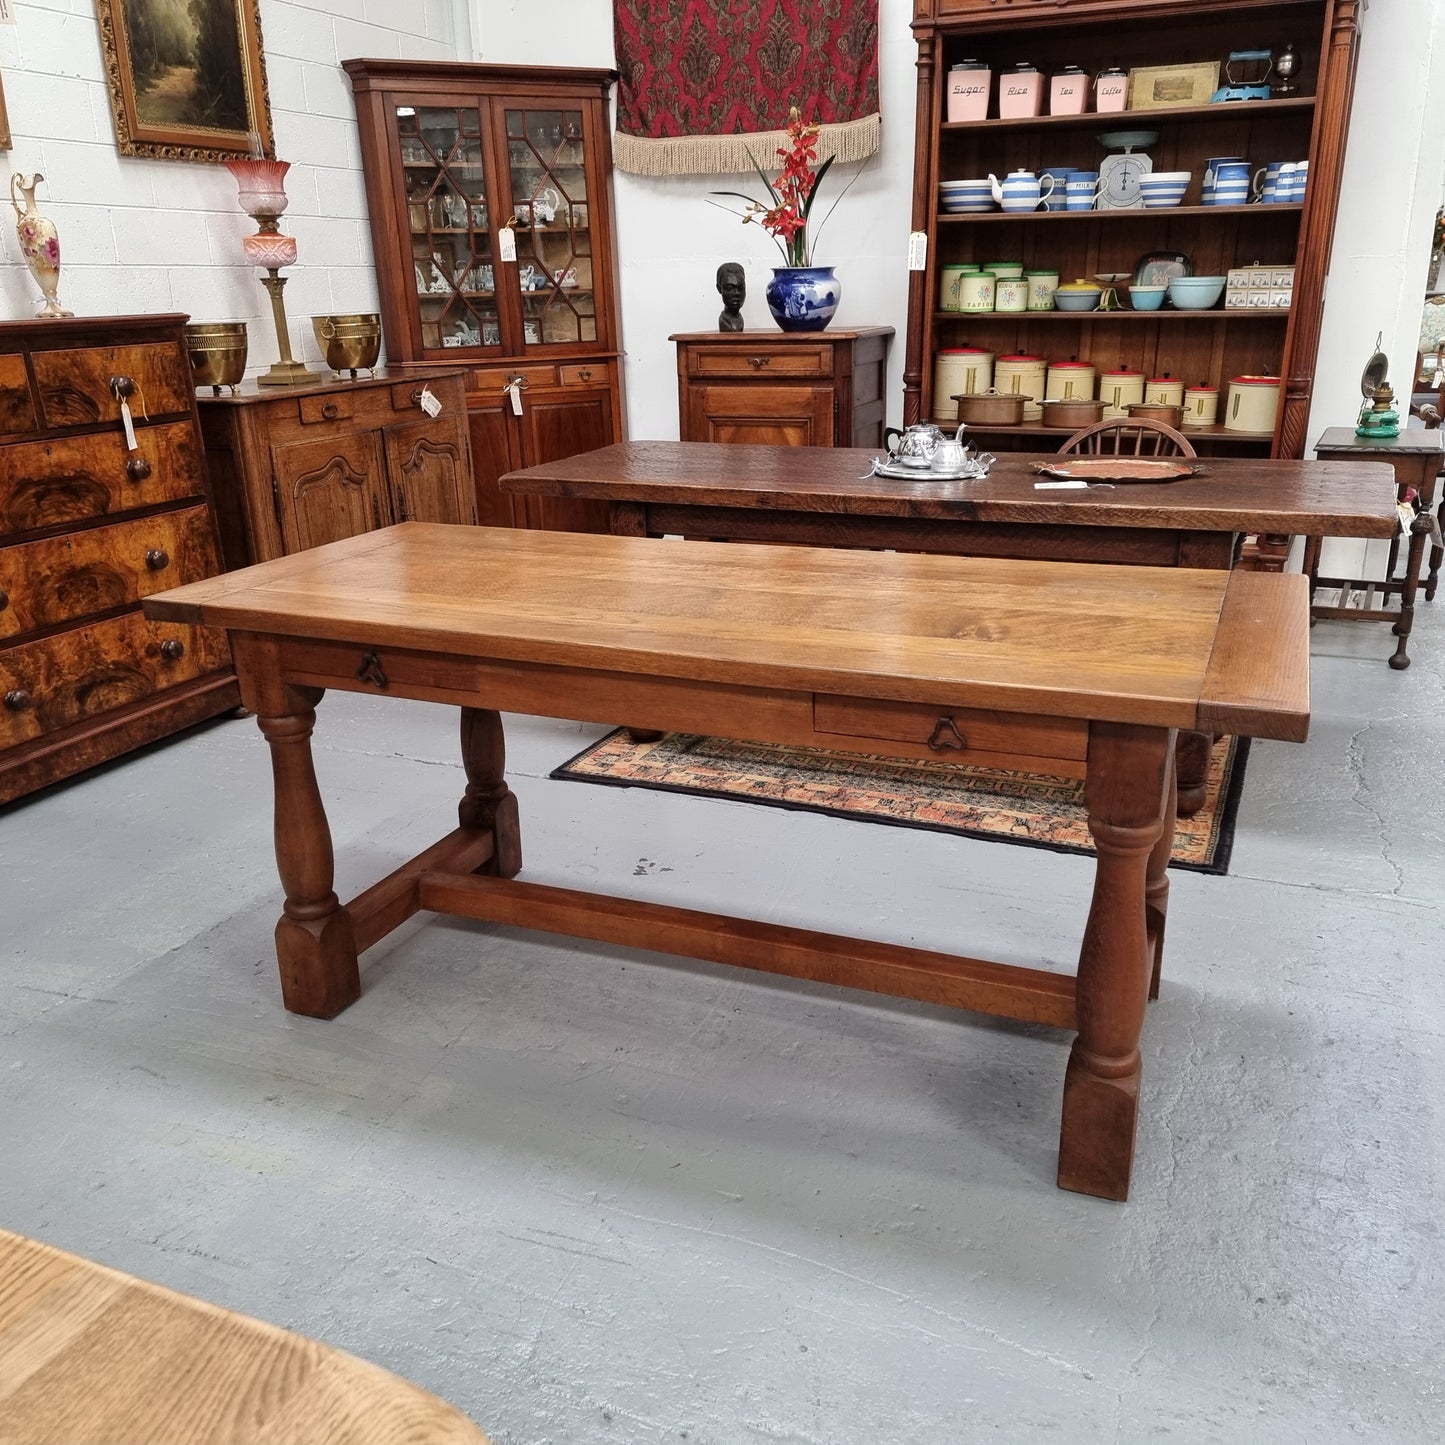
<point>1119,469</point>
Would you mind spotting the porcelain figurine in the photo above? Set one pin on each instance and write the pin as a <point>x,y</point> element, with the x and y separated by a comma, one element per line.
<point>39,242</point>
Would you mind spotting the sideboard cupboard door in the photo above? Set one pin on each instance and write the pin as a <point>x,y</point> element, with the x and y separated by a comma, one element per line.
<point>330,489</point>
<point>89,525</point>
<point>783,416</point>
<point>430,480</point>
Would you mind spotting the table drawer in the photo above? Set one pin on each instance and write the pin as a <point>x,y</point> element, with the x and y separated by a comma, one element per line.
<point>64,579</point>
<point>85,673</point>
<point>55,483</point>
<point>75,386</point>
<point>764,360</point>
<point>962,735</point>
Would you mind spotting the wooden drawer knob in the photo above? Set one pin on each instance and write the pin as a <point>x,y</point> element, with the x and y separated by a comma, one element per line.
<point>172,650</point>
<point>121,387</point>
<point>158,559</point>
<point>17,699</point>
<point>945,735</point>
<point>137,469</point>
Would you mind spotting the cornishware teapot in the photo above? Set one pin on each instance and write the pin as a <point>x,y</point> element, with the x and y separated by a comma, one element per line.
<point>1020,190</point>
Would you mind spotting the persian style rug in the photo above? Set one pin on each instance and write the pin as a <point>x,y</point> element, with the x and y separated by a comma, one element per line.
<point>1009,807</point>
<point>703,83</point>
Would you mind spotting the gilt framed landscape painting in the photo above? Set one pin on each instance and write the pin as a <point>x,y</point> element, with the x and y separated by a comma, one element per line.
<point>187,81</point>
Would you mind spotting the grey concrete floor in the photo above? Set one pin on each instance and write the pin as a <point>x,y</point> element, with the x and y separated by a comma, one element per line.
<point>592,1195</point>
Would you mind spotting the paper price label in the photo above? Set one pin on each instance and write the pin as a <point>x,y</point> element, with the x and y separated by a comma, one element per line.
<point>507,244</point>
<point>918,251</point>
<point>129,425</point>
<point>428,402</point>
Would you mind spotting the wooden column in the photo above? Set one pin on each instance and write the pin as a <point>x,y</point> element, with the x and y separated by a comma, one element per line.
<point>1156,888</point>
<point>1128,769</point>
<point>925,123</point>
<point>488,802</point>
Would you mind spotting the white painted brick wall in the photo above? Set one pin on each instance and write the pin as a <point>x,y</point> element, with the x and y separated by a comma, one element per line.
<point>142,236</point>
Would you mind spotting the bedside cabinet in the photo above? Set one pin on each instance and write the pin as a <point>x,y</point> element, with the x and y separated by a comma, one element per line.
<point>295,467</point>
<point>776,388</point>
<point>89,526</point>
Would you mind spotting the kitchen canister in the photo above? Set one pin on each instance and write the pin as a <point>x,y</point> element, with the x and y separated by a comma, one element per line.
<point>1020,92</point>
<point>1252,404</point>
<point>1026,374</point>
<point>975,290</point>
<point>949,279</point>
<point>958,370</point>
<point>1201,405</point>
<point>1068,91</point>
<point>1010,293</point>
<point>969,84</point>
<point>1164,391</point>
<point>1119,390</point>
<point>1042,285</point>
<point>1111,89</point>
<point>1001,269</point>
<point>1070,381</point>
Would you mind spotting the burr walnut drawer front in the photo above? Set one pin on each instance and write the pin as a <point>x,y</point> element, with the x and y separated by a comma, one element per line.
<point>89,671</point>
<point>953,734</point>
<point>761,360</point>
<point>54,483</point>
<point>82,387</point>
<point>63,579</point>
<point>17,406</point>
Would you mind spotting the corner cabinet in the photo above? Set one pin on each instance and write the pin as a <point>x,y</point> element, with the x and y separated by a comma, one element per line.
<point>490,194</point>
<point>1197,347</point>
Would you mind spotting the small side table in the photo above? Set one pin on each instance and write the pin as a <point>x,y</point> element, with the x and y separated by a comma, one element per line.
<point>1417,457</point>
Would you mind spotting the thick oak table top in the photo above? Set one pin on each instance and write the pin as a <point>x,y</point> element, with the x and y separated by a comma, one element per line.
<point>91,1356</point>
<point>1161,647</point>
<point>1236,494</point>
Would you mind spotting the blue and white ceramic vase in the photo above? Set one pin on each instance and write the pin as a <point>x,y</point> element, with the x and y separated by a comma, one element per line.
<point>803,298</point>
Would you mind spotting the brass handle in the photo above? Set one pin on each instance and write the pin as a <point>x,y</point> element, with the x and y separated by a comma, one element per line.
<point>17,699</point>
<point>416,398</point>
<point>758,362</point>
<point>371,670</point>
<point>946,735</point>
<point>330,411</point>
<point>585,373</point>
<point>158,559</point>
<point>137,469</point>
<point>172,650</point>
<point>520,382</point>
<point>122,386</point>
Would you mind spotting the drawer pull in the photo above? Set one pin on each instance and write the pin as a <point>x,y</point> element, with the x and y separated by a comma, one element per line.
<point>122,387</point>
<point>330,411</point>
<point>946,735</point>
<point>158,559</point>
<point>137,469</point>
<point>17,699</point>
<point>584,373</point>
<point>371,670</point>
<point>4,599</point>
<point>172,650</point>
<point>758,362</point>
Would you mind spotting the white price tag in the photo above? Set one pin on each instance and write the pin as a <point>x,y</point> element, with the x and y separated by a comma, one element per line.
<point>514,393</point>
<point>1069,486</point>
<point>507,244</point>
<point>428,402</point>
<point>1407,517</point>
<point>129,425</point>
<point>918,251</point>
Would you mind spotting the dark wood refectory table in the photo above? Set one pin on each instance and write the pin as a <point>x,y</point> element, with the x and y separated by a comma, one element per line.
<point>824,497</point>
<point>1041,661</point>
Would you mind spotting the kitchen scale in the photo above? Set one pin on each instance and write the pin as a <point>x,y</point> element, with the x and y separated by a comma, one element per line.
<point>1246,76</point>
<point>1119,174</point>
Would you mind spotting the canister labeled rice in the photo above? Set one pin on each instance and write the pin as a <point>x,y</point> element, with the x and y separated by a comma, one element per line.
<point>1026,374</point>
<point>956,370</point>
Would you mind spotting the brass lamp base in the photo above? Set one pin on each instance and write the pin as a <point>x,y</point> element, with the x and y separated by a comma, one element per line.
<point>287,371</point>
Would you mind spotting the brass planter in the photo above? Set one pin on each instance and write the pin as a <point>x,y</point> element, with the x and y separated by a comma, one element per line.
<point>217,351</point>
<point>349,342</point>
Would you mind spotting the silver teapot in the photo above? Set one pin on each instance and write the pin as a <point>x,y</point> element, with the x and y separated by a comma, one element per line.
<point>924,446</point>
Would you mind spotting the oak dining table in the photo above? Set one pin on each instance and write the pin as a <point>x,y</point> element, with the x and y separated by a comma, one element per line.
<point>825,497</point>
<point>1031,664</point>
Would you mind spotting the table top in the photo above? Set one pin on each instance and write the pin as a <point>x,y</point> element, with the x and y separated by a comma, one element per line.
<point>1166,647</point>
<point>1235,494</point>
<point>1413,440</point>
<point>91,1356</point>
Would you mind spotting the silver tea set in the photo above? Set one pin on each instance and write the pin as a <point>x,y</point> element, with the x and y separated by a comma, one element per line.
<point>925,451</point>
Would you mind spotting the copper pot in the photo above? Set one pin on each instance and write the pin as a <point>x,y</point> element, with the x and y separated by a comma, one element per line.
<point>992,408</point>
<point>1073,412</point>
<point>1157,411</point>
<point>217,351</point>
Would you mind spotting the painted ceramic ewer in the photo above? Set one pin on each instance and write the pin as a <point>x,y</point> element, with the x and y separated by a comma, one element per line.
<point>39,242</point>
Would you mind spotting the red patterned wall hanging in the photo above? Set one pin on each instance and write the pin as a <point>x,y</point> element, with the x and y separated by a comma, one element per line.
<point>705,82</point>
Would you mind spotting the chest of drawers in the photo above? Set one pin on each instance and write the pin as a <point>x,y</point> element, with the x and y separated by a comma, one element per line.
<point>89,526</point>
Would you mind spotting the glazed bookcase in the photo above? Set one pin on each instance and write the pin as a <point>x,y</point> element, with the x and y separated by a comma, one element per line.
<point>1193,346</point>
<point>455,155</point>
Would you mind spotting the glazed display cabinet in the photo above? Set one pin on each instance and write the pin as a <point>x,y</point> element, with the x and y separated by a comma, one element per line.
<point>489,190</point>
<point>1208,347</point>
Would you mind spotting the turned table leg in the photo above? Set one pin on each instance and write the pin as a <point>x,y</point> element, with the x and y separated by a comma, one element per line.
<point>315,943</point>
<point>1419,533</point>
<point>488,802</point>
<point>1156,888</point>
<point>1128,769</point>
<point>1192,753</point>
